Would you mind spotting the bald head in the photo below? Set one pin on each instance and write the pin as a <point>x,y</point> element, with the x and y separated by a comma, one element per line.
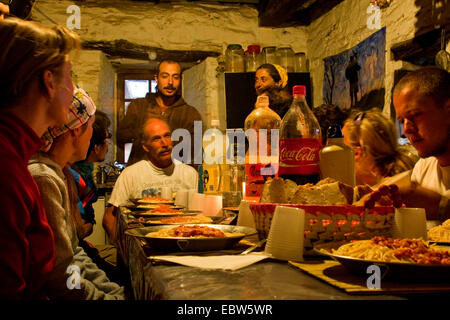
<point>431,82</point>
<point>157,142</point>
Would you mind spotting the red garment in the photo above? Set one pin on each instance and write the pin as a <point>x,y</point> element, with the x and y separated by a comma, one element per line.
<point>27,250</point>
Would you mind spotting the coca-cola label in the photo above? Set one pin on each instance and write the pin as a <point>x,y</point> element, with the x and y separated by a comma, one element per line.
<point>256,176</point>
<point>299,156</point>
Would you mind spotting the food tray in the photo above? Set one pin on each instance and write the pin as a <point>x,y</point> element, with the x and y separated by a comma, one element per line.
<point>190,244</point>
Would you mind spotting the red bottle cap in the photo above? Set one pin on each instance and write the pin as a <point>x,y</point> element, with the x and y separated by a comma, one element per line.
<point>299,90</point>
<point>254,48</point>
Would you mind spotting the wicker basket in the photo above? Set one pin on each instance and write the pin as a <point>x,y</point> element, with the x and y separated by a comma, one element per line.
<point>324,223</point>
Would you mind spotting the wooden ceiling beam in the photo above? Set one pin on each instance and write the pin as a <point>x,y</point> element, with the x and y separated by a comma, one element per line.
<point>126,49</point>
<point>277,13</point>
<point>289,13</point>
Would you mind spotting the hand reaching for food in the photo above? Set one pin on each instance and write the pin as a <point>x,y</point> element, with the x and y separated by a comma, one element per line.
<point>383,196</point>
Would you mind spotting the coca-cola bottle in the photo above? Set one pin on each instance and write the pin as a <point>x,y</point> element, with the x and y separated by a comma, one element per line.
<point>300,141</point>
<point>260,161</point>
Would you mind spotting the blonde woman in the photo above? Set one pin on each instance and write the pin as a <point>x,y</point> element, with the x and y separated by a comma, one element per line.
<point>36,92</point>
<point>373,138</point>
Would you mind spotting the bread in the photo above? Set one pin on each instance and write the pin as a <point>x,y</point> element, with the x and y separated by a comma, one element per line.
<point>273,191</point>
<point>327,191</point>
<point>290,188</point>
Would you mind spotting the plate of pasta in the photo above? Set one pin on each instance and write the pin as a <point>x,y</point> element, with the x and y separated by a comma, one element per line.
<point>152,200</point>
<point>440,234</point>
<point>191,237</point>
<point>164,211</point>
<point>179,220</point>
<point>400,259</point>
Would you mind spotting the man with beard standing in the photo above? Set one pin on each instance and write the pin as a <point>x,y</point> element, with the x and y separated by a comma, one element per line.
<point>147,177</point>
<point>166,104</point>
<point>422,104</point>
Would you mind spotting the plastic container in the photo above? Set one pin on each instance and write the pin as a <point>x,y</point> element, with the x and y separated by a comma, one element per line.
<point>252,58</point>
<point>286,58</point>
<point>260,164</point>
<point>214,157</point>
<point>300,141</point>
<point>337,160</point>
<point>270,55</point>
<point>300,62</point>
<point>234,58</point>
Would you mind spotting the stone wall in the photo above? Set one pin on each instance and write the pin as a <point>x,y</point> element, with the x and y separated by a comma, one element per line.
<point>188,26</point>
<point>346,25</point>
<point>171,26</point>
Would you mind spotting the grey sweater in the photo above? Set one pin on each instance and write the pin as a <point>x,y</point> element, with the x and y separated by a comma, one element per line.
<point>94,284</point>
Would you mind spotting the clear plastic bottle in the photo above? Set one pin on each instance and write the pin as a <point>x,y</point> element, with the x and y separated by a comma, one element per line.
<point>234,58</point>
<point>337,160</point>
<point>259,163</point>
<point>252,58</point>
<point>214,148</point>
<point>300,141</point>
<point>286,58</point>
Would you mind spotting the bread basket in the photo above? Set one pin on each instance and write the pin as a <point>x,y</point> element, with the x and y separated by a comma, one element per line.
<point>325,223</point>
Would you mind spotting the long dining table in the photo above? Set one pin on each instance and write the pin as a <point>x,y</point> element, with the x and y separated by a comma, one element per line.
<point>266,280</point>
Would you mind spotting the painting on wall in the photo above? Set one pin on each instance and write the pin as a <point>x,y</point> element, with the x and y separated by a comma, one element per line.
<point>355,77</point>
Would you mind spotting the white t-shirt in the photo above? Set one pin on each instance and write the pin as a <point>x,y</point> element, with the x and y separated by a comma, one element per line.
<point>429,174</point>
<point>143,179</point>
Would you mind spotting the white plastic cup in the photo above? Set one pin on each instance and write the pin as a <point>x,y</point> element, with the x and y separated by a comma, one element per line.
<point>166,193</point>
<point>181,198</point>
<point>213,205</point>
<point>191,193</point>
<point>245,216</point>
<point>410,223</point>
<point>198,202</point>
<point>286,234</point>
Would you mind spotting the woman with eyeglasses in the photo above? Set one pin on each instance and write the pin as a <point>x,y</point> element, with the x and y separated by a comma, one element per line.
<point>373,138</point>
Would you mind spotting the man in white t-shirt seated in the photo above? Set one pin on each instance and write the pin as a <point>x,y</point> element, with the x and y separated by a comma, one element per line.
<point>147,177</point>
<point>422,104</point>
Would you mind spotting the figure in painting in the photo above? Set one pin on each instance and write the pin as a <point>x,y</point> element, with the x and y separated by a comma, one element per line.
<point>351,74</point>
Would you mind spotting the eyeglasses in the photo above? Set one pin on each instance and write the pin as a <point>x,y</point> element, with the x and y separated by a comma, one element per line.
<point>359,118</point>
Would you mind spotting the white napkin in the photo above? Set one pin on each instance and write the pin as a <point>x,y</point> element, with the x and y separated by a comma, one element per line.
<point>224,262</point>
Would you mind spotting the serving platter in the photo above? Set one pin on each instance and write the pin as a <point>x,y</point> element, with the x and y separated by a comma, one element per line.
<point>396,271</point>
<point>156,221</point>
<point>147,213</point>
<point>191,244</point>
<point>152,201</point>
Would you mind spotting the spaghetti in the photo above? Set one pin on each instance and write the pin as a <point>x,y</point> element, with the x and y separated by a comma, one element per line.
<point>385,249</point>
